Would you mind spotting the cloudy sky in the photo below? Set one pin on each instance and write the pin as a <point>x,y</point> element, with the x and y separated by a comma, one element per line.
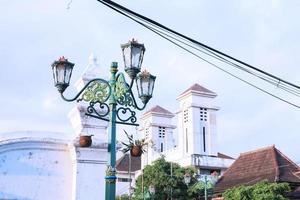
<point>263,33</point>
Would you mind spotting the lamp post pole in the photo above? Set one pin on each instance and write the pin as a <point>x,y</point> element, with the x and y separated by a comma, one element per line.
<point>111,100</point>
<point>171,179</point>
<point>205,187</point>
<point>129,169</point>
<point>110,178</point>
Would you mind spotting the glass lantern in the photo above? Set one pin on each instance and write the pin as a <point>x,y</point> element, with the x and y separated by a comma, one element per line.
<point>133,53</point>
<point>187,178</point>
<point>62,71</point>
<point>145,85</point>
<point>152,189</point>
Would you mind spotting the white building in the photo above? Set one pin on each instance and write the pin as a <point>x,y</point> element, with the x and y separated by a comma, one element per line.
<point>43,165</point>
<point>195,141</point>
<point>46,166</point>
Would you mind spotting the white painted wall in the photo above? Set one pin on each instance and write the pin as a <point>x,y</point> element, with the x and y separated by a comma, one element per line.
<point>89,165</point>
<point>152,123</point>
<point>35,167</point>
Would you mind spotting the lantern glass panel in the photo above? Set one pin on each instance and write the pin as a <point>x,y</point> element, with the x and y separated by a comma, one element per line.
<point>54,75</point>
<point>138,85</point>
<point>136,59</point>
<point>151,84</point>
<point>60,70</point>
<point>68,74</point>
<point>145,86</point>
<point>127,57</point>
<point>187,179</point>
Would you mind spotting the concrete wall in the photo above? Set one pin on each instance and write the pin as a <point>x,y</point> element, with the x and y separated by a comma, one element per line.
<point>35,168</point>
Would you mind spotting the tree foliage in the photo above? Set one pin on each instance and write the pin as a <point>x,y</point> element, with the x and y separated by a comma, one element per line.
<point>123,197</point>
<point>198,188</point>
<point>260,191</point>
<point>159,175</point>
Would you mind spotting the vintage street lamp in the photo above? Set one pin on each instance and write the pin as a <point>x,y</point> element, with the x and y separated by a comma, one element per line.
<point>145,85</point>
<point>133,54</point>
<point>152,191</point>
<point>62,71</point>
<point>187,178</point>
<point>111,100</point>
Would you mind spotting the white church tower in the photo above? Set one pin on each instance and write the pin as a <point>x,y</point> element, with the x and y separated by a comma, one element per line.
<point>196,142</point>
<point>158,130</point>
<point>197,121</point>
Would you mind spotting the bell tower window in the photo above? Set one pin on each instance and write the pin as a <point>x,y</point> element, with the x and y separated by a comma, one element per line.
<point>161,132</point>
<point>147,133</point>
<point>203,114</point>
<point>185,116</point>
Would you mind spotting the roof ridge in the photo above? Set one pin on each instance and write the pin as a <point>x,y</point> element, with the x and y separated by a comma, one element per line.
<point>264,163</point>
<point>257,150</point>
<point>227,170</point>
<point>199,88</point>
<point>292,162</point>
<point>276,178</point>
<point>222,154</point>
<point>158,109</point>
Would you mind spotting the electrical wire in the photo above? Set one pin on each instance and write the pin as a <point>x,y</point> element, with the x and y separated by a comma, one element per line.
<point>216,56</point>
<point>112,3</point>
<point>279,83</point>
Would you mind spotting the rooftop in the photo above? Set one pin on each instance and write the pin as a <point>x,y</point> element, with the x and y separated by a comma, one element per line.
<point>158,109</point>
<point>262,164</point>
<point>123,163</point>
<point>200,89</point>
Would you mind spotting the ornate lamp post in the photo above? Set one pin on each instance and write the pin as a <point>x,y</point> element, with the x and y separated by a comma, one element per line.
<point>152,191</point>
<point>187,178</point>
<point>111,100</point>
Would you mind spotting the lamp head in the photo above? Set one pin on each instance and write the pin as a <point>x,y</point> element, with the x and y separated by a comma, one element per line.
<point>187,178</point>
<point>145,85</point>
<point>62,71</point>
<point>133,53</point>
<point>152,189</point>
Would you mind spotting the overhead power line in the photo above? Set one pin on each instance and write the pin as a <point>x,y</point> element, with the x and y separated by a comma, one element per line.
<point>176,38</point>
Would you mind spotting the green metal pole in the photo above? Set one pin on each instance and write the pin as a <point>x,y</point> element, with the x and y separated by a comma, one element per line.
<point>110,178</point>
<point>205,187</point>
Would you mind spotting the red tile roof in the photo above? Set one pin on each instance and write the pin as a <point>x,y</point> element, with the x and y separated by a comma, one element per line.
<point>198,88</point>
<point>158,109</point>
<point>251,167</point>
<point>122,163</point>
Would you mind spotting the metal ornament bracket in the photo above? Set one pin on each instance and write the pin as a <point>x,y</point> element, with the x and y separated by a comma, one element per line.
<point>97,93</point>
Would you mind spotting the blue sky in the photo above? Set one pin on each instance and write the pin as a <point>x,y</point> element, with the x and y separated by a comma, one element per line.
<point>263,33</point>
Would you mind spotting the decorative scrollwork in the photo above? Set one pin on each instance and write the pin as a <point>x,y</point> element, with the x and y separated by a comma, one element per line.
<point>97,91</point>
<point>126,114</point>
<point>98,109</point>
<point>126,100</point>
<point>121,86</point>
<point>110,175</point>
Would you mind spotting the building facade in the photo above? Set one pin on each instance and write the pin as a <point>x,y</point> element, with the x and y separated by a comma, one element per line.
<point>193,140</point>
<point>55,166</point>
